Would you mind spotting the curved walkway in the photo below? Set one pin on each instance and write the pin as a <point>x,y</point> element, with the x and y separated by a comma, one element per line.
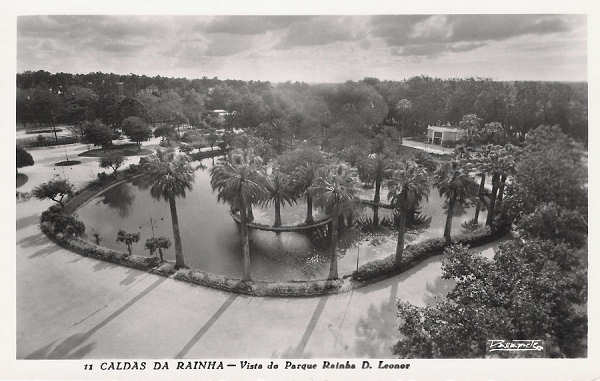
<point>69,306</point>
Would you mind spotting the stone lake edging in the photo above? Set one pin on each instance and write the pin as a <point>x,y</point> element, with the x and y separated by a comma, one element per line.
<point>366,274</point>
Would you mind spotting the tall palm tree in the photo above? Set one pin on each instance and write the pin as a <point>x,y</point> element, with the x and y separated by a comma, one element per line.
<point>302,165</point>
<point>170,177</point>
<point>454,183</point>
<point>333,191</point>
<point>279,190</point>
<point>407,187</point>
<point>377,167</point>
<point>305,176</point>
<point>238,183</point>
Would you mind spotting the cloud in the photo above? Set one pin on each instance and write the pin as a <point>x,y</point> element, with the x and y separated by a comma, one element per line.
<point>251,24</point>
<point>501,27</point>
<point>321,30</point>
<point>343,47</point>
<point>226,44</point>
<point>435,49</point>
<point>432,35</point>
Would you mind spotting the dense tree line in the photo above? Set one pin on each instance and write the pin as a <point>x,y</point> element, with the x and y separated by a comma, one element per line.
<point>296,110</point>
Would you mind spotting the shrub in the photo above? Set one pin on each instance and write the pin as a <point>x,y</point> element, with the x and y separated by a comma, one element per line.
<point>423,250</point>
<point>59,223</point>
<point>55,190</point>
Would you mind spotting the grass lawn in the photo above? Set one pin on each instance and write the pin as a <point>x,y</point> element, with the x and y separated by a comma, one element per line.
<point>129,149</point>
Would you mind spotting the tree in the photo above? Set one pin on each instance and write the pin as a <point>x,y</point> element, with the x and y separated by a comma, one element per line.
<point>24,158</point>
<point>97,133</point>
<point>408,186</point>
<point>403,109</point>
<point>80,104</point>
<point>279,191</point>
<point>499,161</point>
<point>47,106</point>
<point>375,168</point>
<point>164,132</point>
<point>471,123</point>
<point>54,190</point>
<point>158,243</point>
<point>130,107</point>
<point>128,239</point>
<point>333,191</point>
<point>170,177</point>
<point>237,183</point>
<point>531,289</point>
<point>550,169</point>
<point>456,186</point>
<point>113,161</point>
<point>136,129</point>
<point>302,165</point>
<point>549,221</point>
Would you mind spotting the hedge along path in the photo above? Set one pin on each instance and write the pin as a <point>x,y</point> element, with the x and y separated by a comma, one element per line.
<point>366,274</point>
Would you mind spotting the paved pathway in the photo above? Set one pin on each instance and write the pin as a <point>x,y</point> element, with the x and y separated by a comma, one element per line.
<point>69,306</point>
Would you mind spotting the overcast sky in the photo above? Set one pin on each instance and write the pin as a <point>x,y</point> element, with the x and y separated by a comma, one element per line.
<point>309,48</point>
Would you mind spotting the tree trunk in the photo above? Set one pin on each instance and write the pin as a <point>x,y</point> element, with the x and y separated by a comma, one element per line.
<point>129,248</point>
<point>376,201</point>
<point>249,214</point>
<point>350,219</point>
<point>448,227</point>
<point>309,216</point>
<point>490,215</point>
<point>401,230</point>
<point>501,189</point>
<point>160,253</point>
<point>341,222</point>
<point>245,242</point>
<point>333,271</point>
<point>54,130</point>
<point>480,198</point>
<point>179,262</point>
<point>277,212</point>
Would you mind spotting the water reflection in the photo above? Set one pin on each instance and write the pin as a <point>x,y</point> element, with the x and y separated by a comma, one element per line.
<point>211,240</point>
<point>119,198</point>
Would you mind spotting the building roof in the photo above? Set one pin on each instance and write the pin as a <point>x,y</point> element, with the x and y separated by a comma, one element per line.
<point>443,129</point>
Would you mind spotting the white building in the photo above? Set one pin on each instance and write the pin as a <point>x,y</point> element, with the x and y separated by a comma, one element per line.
<point>444,135</point>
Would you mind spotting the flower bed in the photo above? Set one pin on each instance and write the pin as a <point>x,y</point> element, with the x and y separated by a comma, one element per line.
<point>414,254</point>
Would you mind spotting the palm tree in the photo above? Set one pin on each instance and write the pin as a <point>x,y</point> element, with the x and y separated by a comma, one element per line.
<point>377,167</point>
<point>127,238</point>
<point>238,183</point>
<point>334,192</point>
<point>305,176</point>
<point>279,191</point>
<point>475,163</point>
<point>407,187</point>
<point>500,162</point>
<point>302,165</point>
<point>170,177</point>
<point>159,243</point>
<point>455,185</point>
